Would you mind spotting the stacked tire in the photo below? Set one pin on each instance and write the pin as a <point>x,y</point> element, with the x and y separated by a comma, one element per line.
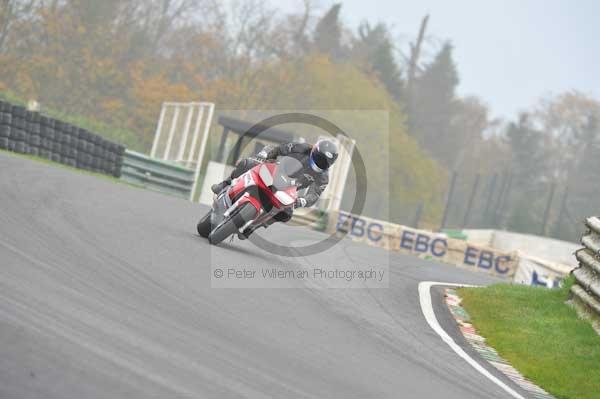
<point>33,139</point>
<point>18,128</point>
<point>31,133</point>
<point>5,125</point>
<point>46,137</point>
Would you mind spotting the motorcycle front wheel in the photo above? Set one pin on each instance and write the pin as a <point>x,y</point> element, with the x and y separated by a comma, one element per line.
<point>232,224</point>
<point>204,226</point>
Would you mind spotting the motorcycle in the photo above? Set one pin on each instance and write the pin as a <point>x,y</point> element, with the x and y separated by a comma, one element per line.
<point>251,200</point>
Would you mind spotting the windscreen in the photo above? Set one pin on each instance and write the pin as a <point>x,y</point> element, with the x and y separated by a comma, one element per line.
<point>286,168</point>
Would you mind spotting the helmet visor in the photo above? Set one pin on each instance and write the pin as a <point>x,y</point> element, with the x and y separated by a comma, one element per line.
<point>320,160</point>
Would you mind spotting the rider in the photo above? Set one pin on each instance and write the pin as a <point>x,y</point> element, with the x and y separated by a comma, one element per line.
<point>316,160</point>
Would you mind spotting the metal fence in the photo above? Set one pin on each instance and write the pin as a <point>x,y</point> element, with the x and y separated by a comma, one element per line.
<point>504,201</point>
<point>181,136</point>
<point>586,290</point>
<point>32,133</point>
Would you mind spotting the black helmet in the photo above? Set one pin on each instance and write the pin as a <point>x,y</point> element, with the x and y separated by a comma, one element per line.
<point>323,155</point>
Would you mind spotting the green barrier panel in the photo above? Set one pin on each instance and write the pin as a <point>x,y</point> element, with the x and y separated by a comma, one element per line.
<point>142,170</point>
<point>456,234</point>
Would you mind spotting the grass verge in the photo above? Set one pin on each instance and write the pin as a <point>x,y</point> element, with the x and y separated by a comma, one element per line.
<point>540,335</point>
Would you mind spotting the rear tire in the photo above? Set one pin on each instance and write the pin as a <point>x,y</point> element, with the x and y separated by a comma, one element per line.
<point>233,224</point>
<point>204,226</point>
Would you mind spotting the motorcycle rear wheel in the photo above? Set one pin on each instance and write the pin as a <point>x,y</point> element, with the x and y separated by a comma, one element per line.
<point>231,225</point>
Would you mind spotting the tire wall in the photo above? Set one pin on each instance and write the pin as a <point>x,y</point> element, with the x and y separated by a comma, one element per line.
<point>586,290</point>
<point>32,133</point>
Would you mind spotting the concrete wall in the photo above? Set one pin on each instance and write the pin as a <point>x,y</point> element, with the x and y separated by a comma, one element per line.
<point>549,249</point>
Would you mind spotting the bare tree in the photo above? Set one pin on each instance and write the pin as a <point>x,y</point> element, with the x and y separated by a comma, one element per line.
<point>415,55</point>
<point>12,11</point>
<point>299,35</point>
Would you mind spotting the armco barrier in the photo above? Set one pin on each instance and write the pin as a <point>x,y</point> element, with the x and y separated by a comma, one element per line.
<point>586,290</point>
<point>27,132</point>
<point>543,261</point>
<point>424,244</point>
<point>154,174</point>
<point>313,218</point>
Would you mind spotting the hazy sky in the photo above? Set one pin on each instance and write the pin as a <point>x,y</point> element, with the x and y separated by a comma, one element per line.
<point>508,52</point>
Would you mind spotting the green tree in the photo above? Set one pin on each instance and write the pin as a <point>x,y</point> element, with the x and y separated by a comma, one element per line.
<point>433,106</point>
<point>374,48</point>
<point>328,33</point>
<point>408,176</point>
<point>529,167</point>
<point>584,182</point>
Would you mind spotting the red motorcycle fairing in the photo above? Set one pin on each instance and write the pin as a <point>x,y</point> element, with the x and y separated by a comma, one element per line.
<point>268,188</point>
<point>252,179</point>
<point>239,191</point>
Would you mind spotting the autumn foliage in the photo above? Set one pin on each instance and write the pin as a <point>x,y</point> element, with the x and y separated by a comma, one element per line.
<point>112,63</point>
<point>116,61</point>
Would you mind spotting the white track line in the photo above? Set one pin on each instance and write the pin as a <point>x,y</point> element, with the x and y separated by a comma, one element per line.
<point>427,309</point>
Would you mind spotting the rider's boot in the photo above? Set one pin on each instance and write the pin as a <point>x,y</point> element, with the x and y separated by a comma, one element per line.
<point>283,216</point>
<point>217,188</point>
<point>246,234</point>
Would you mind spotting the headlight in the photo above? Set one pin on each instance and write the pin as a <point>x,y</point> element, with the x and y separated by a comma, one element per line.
<point>284,198</point>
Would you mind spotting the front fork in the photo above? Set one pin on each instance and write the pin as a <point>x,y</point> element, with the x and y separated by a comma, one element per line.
<point>223,209</point>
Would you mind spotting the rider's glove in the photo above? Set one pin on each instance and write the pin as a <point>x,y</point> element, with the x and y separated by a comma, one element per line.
<point>300,203</point>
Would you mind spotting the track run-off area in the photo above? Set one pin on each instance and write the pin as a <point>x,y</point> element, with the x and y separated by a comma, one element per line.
<point>105,292</point>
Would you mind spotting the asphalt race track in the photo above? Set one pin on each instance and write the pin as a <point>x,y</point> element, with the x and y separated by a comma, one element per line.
<point>105,293</point>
